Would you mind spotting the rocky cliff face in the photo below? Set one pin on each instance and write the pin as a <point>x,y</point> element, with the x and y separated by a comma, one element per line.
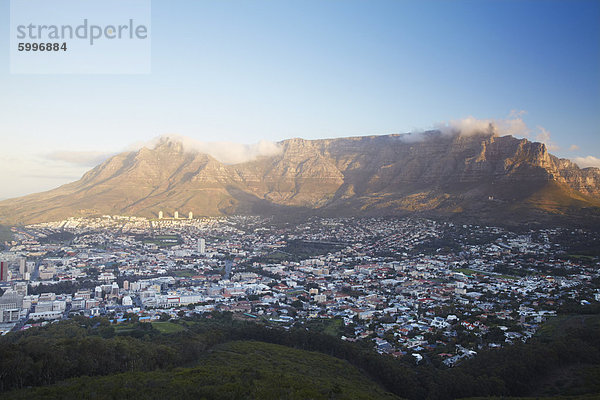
<point>360,175</point>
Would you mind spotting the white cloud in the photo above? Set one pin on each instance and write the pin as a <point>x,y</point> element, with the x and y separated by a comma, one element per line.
<point>544,137</point>
<point>467,126</point>
<point>589,161</point>
<point>512,125</point>
<point>225,152</point>
<point>573,147</point>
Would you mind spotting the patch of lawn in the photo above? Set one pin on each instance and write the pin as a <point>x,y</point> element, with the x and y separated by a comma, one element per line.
<point>167,327</point>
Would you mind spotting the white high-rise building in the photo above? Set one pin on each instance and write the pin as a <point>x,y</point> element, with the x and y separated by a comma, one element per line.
<point>201,246</point>
<point>176,215</point>
<point>191,215</point>
<point>160,215</point>
<point>22,265</point>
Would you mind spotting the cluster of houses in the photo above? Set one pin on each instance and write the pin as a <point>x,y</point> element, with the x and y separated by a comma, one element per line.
<point>412,287</point>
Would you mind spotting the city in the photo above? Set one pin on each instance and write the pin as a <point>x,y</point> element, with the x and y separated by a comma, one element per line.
<point>430,291</point>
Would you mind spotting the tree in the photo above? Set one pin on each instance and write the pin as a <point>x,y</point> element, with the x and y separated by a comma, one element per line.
<point>132,317</point>
<point>164,317</point>
<point>297,304</point>
<point>495,335</point>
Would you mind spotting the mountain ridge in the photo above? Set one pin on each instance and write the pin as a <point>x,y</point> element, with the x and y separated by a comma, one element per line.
<point>432,173</point>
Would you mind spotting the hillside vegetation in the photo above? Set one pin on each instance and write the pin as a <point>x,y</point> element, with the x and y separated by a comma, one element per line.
<point>233,370</point>
<point>216,356</point>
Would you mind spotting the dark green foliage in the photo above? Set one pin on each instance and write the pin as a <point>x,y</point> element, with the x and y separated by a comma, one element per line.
<point>58,237</point>
<point>67,287</point>
<point>235,370</point>
<point>566,352</point>
<point>330,326</point>
<point>579,245</point>
<point>305,249</point>
<point>297,250</point>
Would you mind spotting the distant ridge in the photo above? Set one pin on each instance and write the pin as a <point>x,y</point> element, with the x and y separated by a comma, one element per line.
<point>482,177</point>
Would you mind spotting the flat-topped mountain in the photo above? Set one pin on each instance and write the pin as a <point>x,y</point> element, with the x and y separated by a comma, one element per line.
<point>482,176</point>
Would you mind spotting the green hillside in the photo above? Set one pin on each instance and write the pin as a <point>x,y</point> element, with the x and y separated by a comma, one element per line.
<point>216,356</point>
<point>233,370</point>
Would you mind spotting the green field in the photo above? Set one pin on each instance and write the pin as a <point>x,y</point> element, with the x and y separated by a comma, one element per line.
<point>465,271</point>
<point>329,326</point>
<point>185,273</point>
<point>163,240</point>
<point>167,327</point>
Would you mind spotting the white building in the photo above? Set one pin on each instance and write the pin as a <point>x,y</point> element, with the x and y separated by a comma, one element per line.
<point>22,265</point>
<point>46,315</point>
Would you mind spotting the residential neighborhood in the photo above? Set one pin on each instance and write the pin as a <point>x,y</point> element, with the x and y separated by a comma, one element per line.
<point>417,288</point>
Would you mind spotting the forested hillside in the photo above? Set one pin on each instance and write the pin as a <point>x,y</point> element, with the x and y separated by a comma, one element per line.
<point>217,356</point>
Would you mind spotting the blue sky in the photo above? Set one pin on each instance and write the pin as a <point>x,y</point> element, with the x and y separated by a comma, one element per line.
<point>246,71</point>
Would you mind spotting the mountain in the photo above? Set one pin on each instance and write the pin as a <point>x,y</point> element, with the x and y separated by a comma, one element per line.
<point>482,176</point>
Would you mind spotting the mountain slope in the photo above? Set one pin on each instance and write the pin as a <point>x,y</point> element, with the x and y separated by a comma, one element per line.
<point>485,176</point>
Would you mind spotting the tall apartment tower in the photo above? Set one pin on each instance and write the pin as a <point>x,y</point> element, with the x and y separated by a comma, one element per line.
<point>22,265</point>
<point>191,215</point>
<point>3,271</point>
<point>201,246</point>
<point>176,215</point>
<point>160,215</point>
